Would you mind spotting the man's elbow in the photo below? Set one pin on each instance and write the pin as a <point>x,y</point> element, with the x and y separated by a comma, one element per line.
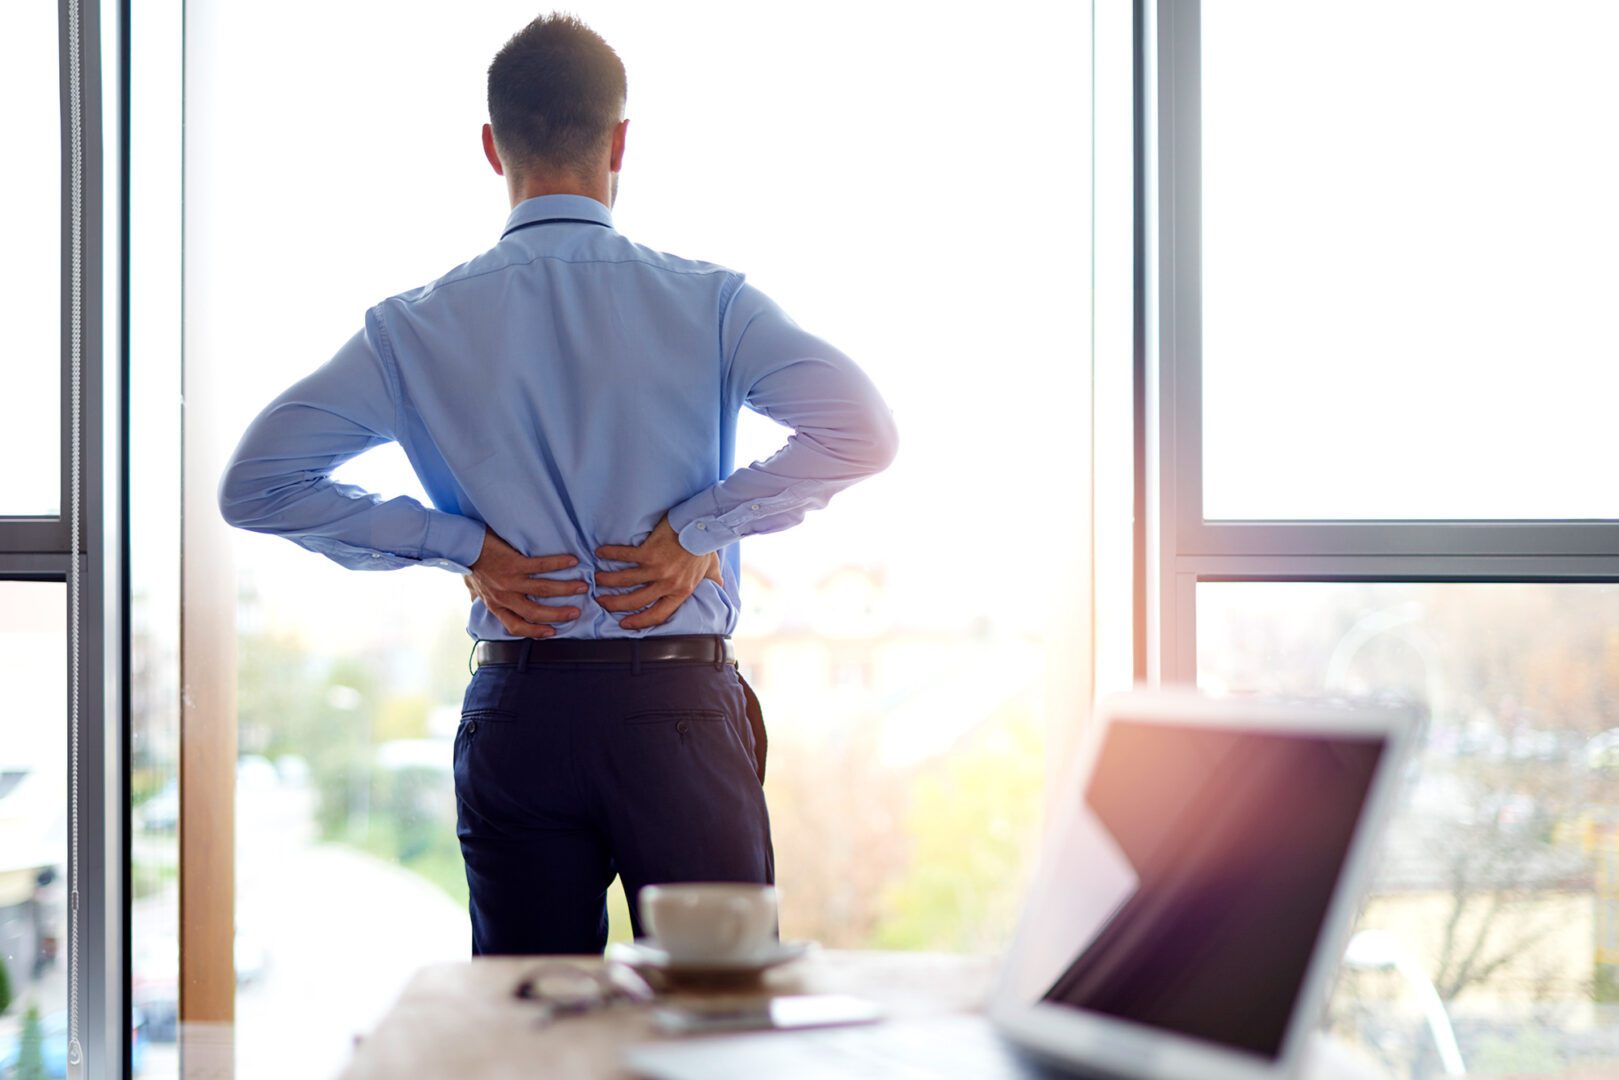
<point>233,506</point>
<point>866,448</point>
<point>884,441</point>
<point>241,499</point>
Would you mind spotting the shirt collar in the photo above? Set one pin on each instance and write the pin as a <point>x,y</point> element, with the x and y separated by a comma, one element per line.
<point>547,208</point>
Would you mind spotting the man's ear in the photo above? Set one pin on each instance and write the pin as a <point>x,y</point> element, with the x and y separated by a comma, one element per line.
<point>616,162</point>
<point>490,152</point>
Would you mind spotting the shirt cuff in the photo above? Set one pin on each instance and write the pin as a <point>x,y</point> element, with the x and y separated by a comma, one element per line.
<point>452,541</point>
<point>696,523</point>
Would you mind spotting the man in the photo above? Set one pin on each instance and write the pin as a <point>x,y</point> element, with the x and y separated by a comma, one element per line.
<point>569,401</point>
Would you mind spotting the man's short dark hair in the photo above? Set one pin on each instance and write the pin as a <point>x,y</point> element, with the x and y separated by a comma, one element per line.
<point>556,90</point>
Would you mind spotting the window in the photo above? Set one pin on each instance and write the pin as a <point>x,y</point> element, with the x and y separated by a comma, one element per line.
<point>30,277</point>
<point>59,531</point>
<point>1491,880</point>
<point>1405,267</point>
<point>1367,475</point>
<point>908,722</point>
<point>33,813</point>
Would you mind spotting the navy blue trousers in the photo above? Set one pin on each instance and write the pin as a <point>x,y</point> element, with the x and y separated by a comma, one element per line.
<point>568,774</point>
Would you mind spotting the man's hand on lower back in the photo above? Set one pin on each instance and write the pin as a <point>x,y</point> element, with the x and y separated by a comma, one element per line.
<point>501,579</point>
<point>666,572</point>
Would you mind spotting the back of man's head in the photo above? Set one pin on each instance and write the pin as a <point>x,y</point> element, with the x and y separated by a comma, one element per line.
<point>556,90</point>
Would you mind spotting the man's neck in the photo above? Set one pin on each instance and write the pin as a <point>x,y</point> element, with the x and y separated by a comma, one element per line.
<point>532,187</point>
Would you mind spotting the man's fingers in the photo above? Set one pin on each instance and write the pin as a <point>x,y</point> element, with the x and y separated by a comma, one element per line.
<point>655,615</point>
<point>538,613</point>
<point>630,601</point>
<point>545,564</point>
<point>548,587</point>
<point>617,579</point>
<point>518,606</point>
<point>619,553</point>
<point>515,624</point>
<point>523,583</point>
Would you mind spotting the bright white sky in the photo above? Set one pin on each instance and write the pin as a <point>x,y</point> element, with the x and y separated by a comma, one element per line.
<point>1409,229</point>
<point>33,670</point>
<point>30,270</point>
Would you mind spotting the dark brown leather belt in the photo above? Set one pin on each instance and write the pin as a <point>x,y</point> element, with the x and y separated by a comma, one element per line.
<point>649,650</point>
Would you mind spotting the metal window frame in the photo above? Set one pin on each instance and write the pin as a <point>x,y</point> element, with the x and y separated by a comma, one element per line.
<point>43,549</point>
<point>1180,547</point>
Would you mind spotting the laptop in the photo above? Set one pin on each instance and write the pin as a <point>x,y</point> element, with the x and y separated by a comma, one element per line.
<point>1206,860</point>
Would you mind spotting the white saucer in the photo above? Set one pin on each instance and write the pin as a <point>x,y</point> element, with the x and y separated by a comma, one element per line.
<point>645,954</point>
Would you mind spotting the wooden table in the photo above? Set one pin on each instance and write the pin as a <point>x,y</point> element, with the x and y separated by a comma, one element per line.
<point>463,1022</point>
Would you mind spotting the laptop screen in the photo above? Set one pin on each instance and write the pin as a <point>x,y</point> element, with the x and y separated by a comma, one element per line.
<point>1191,889</point>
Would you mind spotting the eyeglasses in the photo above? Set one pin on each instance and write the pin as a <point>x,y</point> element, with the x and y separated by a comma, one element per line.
<point>563,989</point>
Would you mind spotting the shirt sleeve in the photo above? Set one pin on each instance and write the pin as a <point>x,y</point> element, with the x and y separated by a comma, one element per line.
<point>279,480</point>
<point>842,430</point>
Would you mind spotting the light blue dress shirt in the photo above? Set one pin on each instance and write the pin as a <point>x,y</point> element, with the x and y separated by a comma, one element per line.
<point>566,388</point>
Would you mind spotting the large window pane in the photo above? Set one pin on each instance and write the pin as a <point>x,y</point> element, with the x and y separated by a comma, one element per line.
<point>33,823</point>
<point>1497,889</point>
<point>1408,228</point>
<point>30,267</point>
<point>908,716</point>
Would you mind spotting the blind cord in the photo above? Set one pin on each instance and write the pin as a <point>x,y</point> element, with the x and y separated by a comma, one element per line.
<point>75,92</point>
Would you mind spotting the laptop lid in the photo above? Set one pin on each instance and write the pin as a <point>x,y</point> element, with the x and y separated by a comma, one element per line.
<point>1194,902</point>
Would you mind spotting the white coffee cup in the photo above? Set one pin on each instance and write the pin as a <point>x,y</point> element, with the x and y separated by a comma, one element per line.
<point>710,922</point>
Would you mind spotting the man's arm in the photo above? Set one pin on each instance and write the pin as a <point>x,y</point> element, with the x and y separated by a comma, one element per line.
<point>279,482</point>
<point>842,433</point>
<point>842,429</point>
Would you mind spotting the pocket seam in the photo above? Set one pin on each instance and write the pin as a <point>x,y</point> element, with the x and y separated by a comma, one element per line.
<point>662,716</point>
<point>497,709</point>
<point>497,715</point>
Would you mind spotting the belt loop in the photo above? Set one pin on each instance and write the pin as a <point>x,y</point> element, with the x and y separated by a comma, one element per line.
<point>635,656</point>
<point>471,670</point>
<point>719,653</point>
<point>522,657</point>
